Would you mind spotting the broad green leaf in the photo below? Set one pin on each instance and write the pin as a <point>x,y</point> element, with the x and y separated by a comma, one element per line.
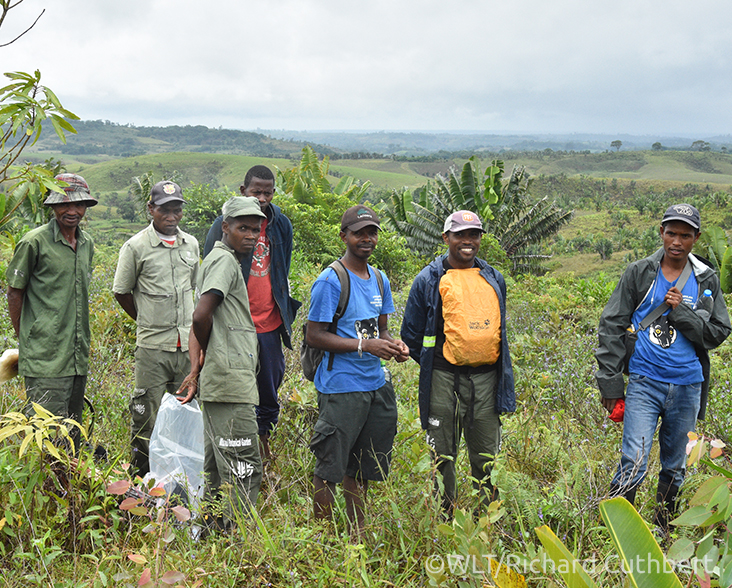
<point>138,558</point>
<point>692,517</point>
<point>725,571</point>
<point>681,549</point>
<point>705,492</point>
<point>647,567</point>
<point>568,566</point>
<point>725,274</point>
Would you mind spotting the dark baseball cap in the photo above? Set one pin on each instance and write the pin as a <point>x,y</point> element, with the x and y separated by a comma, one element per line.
<point>359,216</point>
<point>685,213</point>
<point>462,220</point>
<point>164,192</point>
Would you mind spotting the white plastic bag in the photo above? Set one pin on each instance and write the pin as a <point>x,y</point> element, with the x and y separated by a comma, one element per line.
<point>176,450</point>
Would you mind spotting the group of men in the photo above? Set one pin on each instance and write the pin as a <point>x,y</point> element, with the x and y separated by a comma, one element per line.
<point>216,330</point>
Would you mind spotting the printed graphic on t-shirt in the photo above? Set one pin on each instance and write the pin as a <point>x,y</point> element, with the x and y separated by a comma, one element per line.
<point>367,329</point>
<point>260,261</point>
<point>662,333</point>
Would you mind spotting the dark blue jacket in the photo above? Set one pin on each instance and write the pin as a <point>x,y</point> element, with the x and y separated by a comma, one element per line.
<point>279,233</point>
<point>419,329</point>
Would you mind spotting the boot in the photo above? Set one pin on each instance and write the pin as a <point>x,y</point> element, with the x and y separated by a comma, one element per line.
<point>668,507</point>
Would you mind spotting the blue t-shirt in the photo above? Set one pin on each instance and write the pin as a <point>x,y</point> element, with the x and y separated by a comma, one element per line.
<point>350,372</point>
<point>662,353</point>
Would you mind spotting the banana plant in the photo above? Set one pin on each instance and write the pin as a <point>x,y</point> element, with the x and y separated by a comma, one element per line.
<point>714,245</point>
<point>643,560</point>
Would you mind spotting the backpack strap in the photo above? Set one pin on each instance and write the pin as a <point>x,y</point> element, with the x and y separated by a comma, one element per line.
<point>663,307</point>
<point>379,280</point>
<point>345,281</point>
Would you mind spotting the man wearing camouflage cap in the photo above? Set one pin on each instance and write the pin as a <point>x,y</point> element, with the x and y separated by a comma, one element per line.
<point>48,301</point>
<point>154,282</point>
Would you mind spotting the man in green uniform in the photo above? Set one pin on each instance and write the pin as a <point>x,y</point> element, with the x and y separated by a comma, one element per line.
<point>154,282</point>
<point>48,302</point>
<point>225,337</point>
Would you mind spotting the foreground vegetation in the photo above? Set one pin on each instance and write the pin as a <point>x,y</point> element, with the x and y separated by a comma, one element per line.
<point>68,524</point>
<point>63,528</point>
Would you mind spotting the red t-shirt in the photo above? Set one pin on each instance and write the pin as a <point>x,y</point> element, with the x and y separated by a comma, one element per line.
<point>264,310</point>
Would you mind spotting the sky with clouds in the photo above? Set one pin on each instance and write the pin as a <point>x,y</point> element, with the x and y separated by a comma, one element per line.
<point>524,66</point>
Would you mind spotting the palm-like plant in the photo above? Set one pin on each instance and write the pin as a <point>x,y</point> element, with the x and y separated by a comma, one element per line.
<point>506,208</point>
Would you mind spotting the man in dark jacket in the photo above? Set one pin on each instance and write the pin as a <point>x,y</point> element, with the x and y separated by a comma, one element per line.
<point>466,377</point>
<point>669,368</point>
<point>266,272</point>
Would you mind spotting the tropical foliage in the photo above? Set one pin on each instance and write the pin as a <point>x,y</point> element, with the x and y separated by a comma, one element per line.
<point>506,208</point>
<point>315,208</point>
<point>25,104</point>
<point>714,245</point>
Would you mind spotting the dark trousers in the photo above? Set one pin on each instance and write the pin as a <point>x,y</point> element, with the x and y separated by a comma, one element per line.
<point>270,375</point>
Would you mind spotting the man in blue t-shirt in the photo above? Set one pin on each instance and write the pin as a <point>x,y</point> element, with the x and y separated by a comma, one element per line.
<point>669,368</point>
<point>357,413</point>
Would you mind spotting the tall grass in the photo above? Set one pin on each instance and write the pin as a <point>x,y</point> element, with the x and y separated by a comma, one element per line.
<point>559,453</point>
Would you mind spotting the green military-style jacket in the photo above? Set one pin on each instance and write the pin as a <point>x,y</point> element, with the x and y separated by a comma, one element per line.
<point>229,373</point>
<point>161,279</point>
<point>54,321</point>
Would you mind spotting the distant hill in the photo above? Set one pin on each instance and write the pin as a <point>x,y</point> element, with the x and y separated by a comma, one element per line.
<point>416,143</point>
<point>99,140</point>
<point>104,138</point>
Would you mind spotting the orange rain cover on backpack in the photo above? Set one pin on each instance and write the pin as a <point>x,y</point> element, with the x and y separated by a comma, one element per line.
<point>472,317</point>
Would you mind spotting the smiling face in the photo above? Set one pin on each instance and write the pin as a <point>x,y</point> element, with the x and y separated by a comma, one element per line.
<point>678,239</point>
<point>165,217</point>
<point>462,247</point>
<point>69,214</point>
<point>361,243</point>
<point>241,233</point>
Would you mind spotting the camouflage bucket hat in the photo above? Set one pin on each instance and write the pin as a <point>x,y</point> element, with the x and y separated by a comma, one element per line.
<point>76,190</point>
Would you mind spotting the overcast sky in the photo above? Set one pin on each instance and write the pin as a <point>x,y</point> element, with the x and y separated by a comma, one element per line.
<point>519,66</point>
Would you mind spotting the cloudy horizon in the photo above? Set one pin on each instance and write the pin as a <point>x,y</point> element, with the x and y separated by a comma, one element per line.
<point>528,67</point>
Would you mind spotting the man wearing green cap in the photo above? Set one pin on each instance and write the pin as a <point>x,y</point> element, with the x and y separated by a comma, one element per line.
<point>154,282</point>
<point>48,301</point>
<point>223,350</point>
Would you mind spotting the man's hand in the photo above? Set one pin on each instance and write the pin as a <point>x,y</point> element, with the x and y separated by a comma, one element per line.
<point>383,348</point>
<point>609,403</point>
<point>189,385</point>
<point>404,354</point>
<point>673,297</point>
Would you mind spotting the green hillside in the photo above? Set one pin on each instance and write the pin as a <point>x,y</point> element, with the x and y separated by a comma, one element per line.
<point>663,170</point>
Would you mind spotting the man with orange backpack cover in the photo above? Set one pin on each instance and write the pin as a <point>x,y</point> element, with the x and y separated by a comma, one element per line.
<point>454,326</point>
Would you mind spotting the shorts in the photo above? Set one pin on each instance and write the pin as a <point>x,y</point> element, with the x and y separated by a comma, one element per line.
<point>354,434</point>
